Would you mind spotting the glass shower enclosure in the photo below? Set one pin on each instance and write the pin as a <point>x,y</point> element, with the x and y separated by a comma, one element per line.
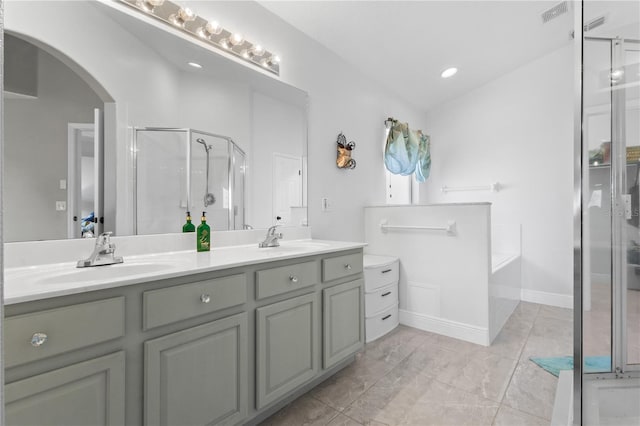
<point>180,170</point>
<point>607,293</point>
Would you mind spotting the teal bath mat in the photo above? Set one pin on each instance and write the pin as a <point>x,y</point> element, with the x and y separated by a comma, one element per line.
<point>592,364</point>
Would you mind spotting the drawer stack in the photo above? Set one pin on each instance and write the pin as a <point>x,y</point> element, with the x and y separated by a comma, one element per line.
<point>381,275</point>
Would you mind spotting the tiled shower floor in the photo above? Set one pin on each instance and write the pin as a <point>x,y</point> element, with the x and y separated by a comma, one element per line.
<point>411,377</point>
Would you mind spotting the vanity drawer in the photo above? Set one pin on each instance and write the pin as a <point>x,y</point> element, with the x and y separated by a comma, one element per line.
<point>270,282</point>
<point>177,303</point>
<point>382,323</point>
<point>341,266</point>
<point>381,299</point>
<point>381,275</point>
<point>62,330</point>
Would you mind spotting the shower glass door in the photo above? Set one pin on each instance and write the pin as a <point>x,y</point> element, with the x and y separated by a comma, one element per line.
<point>161,180</point>
<point>610,346</point>
<point>630,64</point>
<point>611,318</point>
<point>237,194</point>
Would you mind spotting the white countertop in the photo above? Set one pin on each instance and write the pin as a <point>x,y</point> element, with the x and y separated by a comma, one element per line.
<point>23,284</point>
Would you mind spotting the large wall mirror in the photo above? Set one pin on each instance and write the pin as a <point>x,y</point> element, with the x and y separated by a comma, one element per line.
<point>109,126</point>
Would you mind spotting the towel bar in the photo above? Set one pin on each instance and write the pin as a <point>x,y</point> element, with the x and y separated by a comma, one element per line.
<point>494,187</point>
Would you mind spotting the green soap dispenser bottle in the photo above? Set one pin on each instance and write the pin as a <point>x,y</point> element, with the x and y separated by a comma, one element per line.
<point>188,227</point>
<point>204,235</point>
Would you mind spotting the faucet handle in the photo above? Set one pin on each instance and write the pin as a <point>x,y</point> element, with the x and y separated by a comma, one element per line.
<point>104,238</point>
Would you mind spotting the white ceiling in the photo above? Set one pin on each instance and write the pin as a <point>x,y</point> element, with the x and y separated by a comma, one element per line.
<point>405,45</point>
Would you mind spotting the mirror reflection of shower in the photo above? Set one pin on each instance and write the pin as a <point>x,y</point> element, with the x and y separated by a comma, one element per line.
<point>172,174</point>
<point>209,198</point>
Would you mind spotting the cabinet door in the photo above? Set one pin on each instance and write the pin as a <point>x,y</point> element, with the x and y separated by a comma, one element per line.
<point>287,339</point>
<point>198,376</point>
<point>343,321</point>
<point>87,393</point>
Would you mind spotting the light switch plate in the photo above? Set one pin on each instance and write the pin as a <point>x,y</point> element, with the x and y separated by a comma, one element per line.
<point>61,206</point>
<point>326,204</point>
<point>63,184</point>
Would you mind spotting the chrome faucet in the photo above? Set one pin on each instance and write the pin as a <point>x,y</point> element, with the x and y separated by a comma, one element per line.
<point>272,238</point>
<point>102,253</point>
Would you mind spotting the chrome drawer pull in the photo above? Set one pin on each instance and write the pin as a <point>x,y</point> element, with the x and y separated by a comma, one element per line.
<point>205,298</point>
<point>293,278</point>
<point>348,266</point>
<point>386,294</point>
<point>387,317</point>
<point>386,270</point>
<point>38,339</point>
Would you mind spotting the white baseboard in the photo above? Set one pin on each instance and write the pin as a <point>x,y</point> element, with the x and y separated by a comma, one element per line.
<point>545,298</point>
<point>457,330</point>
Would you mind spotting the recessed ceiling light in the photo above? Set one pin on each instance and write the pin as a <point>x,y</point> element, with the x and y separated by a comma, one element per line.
<point>449,72</point>
<point>195,65</point>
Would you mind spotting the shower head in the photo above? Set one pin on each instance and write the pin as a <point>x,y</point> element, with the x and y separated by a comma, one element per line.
<point>209,198</point>
<point>206,147</point>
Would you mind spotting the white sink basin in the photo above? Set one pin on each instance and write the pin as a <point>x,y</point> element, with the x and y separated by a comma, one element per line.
<point>102,272</point>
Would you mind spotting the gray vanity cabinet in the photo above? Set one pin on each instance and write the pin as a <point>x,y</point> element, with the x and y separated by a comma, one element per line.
<point>286,347</point>
<point>343,321</point>
<point>87,393</point>
<point>198,376</point>
<point>226,347</point>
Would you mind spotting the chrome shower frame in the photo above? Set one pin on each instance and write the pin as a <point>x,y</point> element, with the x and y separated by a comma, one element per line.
<point>620,369</point>
<point>189,132</point>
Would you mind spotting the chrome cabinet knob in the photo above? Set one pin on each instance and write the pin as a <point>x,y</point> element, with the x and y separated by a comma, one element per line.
<point>38,339</point>
<point>293,278</point>
<point>347,266</point>
<point>205,298</point>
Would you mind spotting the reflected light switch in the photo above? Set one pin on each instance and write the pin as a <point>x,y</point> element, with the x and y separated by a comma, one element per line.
<point>61,206</point>
<point>63,184</point>
<point>325,205</point>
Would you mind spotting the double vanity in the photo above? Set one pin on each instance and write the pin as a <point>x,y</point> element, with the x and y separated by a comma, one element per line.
<point>180,338</point>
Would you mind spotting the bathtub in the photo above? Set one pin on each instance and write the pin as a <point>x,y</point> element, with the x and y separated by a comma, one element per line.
<point>459,271</point>
<point>504,289</point>
<point>604,402</point>
<point>502,260</point>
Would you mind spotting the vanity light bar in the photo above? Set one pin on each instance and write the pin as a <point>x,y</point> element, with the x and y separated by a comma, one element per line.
<point>210,32</point>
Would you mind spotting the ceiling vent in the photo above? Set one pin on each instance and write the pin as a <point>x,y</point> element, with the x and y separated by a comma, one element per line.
<point>555,11</point>
<point>594,23</point>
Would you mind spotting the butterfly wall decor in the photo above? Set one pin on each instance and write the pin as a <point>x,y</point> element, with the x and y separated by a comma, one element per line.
<point>344,160</point>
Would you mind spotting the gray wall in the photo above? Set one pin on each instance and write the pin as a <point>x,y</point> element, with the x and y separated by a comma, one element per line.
<point>36,150</point>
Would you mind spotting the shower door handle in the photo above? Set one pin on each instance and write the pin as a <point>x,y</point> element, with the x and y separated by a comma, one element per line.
<point>626,198</point>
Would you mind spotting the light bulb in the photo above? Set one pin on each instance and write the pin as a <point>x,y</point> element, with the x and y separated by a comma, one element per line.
<point>236,39</point>
<point>246,54</point>
<point>449,72</point>
<point>257,50</point>
<point>183,16</point>
<point>149,5</point>
<point>186,14</point>
<point>211,28</point>
<point>225,43</point>
<point>271,61</point>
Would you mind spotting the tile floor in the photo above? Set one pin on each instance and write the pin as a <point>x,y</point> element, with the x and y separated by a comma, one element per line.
<point>411,377</point>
